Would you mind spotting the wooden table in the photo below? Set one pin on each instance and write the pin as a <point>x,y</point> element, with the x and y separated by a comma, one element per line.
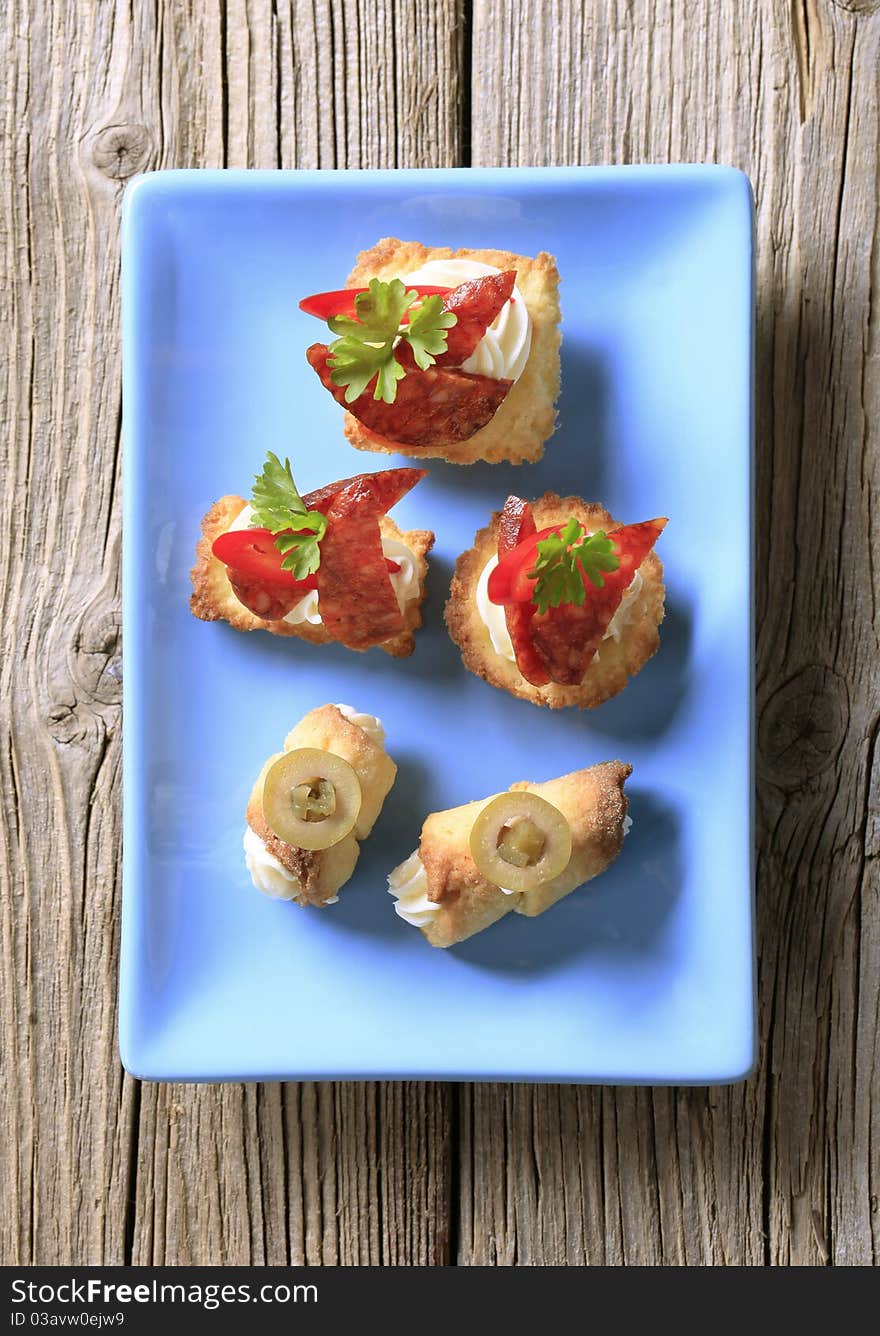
<point>95,1167</point>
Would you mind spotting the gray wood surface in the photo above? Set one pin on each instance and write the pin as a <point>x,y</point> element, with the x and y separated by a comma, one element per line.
<point>95,1167</point>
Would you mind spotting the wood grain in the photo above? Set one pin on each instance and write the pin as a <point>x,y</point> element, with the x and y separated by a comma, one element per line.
<point>96,1167</point>
<point>784,1169</point>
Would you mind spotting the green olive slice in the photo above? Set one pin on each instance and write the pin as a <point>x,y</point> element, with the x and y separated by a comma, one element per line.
<point>520,841</point>
<point>311,798</point>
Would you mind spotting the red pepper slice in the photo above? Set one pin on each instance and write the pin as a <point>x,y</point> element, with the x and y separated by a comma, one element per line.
<point>509,582</point>
<point>251,554</point>
<point>517,525</point>
<point>327,304</point>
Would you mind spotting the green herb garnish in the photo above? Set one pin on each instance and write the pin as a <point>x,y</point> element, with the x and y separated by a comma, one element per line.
<point>565,560</point>
<point>365,348</point>
<point>278,506</point>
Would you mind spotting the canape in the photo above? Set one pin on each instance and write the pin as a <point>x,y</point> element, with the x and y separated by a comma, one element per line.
<point>314,802</point>
<point>556,602</point>
<point>330,565</point>
<point>441,353</point>
<point>517,852</point>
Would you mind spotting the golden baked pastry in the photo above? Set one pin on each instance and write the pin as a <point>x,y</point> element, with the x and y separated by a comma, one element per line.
<point>629,641</point>
<point>442,890</point>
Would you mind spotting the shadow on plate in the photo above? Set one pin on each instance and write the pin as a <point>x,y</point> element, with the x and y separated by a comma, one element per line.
<point>619,918</point>
<point>646,708</point>
<point>291,655</point>
<point>371,909</point>
<point>583,415</point>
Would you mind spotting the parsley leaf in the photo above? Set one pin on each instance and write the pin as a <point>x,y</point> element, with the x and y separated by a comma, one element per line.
<point>380,311</point>
<point>365,348</point>
<point>277,506</point>
<point>426,331</point>
<point>565,561</point>
<point>354,364</point>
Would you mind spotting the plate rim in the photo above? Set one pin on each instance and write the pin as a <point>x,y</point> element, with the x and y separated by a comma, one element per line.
<point>134,1052</point>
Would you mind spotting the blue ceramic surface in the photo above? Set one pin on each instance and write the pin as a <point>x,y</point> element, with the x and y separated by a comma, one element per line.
<point>646,975</point>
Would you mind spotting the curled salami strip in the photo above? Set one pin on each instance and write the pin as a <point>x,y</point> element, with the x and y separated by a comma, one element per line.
<point>377,491</point>
<point>439,406</point>
<point>566,638</point>
<point>476,303</point>
<point>358,604</point>
<point>516,525</point>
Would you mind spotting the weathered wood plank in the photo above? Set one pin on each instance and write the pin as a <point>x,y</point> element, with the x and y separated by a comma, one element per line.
<point>784,1169</point>
<point>95,1168</point>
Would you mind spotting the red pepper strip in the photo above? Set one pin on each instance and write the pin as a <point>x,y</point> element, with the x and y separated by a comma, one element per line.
<point>358,604</point>
<point>516,525</point>
<point>566,638</point>
<point>324,305</point>
<point>509,582</point>
<point>253,555</point>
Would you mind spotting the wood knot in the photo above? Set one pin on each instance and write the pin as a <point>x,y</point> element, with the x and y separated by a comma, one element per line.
<point>802,726</point>
<point>119,151</point>
<point>95,663</point>
<point>70,722</point>
<point>857,6</point>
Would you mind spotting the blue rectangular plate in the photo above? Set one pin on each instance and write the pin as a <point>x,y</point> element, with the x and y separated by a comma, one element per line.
<point>646,975</point>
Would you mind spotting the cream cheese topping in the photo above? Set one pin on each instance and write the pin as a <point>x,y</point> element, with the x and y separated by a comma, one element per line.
<point>408,883</point>
<point>503,350</point>
<point>368,722</point>
<point>404,582</point>
<point>267,873</point>
<point>493,618</point>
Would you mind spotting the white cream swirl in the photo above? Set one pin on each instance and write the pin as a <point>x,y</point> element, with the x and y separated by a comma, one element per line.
<point>493,618</point>
<point>267,873</point>
<point>408,884</point>
<point>368,722</point>
<point>503,350</point>
<point>404,582</point>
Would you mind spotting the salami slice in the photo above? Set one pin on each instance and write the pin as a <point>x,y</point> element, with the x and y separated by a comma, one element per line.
<point>516,525</point>
<point>380,491</point>
<point>264,599</point>
<point>358,604</point>
<point>566,638</point>
<point>439,406</point>
<point>476,304</point>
